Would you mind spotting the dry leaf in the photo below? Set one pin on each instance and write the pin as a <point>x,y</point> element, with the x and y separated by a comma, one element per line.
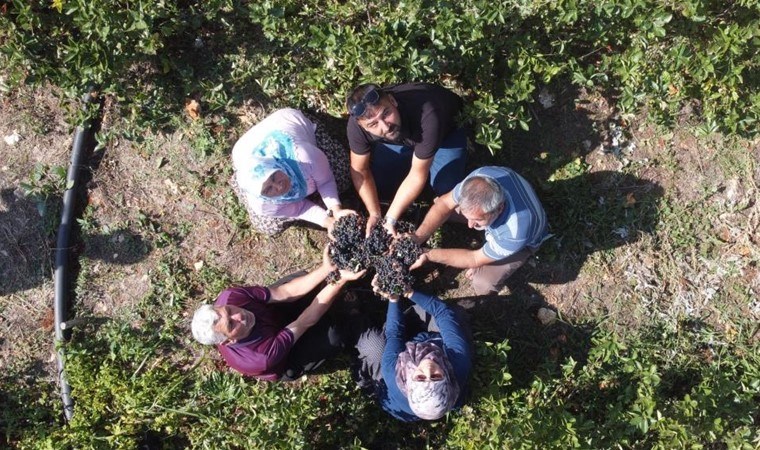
<point>745,250</point>
<point>48,320</point>
<point>193,108</point>
<point>724,234</point>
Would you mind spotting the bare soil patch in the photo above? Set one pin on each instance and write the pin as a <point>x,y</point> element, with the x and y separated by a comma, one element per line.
<point>162,186</point>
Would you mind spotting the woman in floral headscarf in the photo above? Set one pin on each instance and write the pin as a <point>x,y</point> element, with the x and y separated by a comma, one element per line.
<point>422,377</point>
<point>278,165</point>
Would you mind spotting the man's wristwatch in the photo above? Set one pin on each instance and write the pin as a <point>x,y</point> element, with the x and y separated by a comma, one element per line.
<point>390,221</point>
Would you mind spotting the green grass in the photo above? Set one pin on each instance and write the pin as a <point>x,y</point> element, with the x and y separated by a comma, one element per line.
<point>662,351</point>
<point>661,388</point>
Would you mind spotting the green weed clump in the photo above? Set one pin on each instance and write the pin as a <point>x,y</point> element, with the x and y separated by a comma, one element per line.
<point>691,57</point>
<point>45,187</point>
<point>664,387</point>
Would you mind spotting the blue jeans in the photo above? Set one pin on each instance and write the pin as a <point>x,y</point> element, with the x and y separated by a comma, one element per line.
<point>391,163</point>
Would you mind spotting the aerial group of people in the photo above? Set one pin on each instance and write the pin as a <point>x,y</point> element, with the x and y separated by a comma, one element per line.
<point>404,140</point>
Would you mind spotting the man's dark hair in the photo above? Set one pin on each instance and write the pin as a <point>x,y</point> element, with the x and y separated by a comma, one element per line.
<point>356,100</point>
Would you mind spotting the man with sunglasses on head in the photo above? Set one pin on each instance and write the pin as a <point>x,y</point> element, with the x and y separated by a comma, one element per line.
<point>400,137</point>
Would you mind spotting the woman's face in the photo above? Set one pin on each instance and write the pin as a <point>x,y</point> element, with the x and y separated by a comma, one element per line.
<point>428,370</point>
<point>276,185</point>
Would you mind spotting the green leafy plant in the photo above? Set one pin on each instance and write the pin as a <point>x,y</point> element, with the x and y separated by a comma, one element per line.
<point>694,57</point>
<point>45,187</point>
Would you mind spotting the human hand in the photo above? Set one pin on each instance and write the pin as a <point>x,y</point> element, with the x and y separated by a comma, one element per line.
<point>329,224</point>
<point>422,259</point>
<point>390,226</point>
<point>347,275</point>
<point>326,260</point>
<point>469,273</point>
<point>376,289</point>
<point>371,221</point>
<point>340,212</point>
<point>337,213</point>
<point>416,238</point>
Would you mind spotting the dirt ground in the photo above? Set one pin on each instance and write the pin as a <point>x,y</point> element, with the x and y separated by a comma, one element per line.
<point>161,184</point>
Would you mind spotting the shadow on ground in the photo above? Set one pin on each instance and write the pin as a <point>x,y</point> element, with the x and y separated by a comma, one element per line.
<point>29,223</point>
<point>20,393</point>
<point>27,240</point>
<point>536,345</point>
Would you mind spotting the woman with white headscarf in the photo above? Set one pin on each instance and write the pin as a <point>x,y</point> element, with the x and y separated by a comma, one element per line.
<point>420,375</point>
<point>278,164</point>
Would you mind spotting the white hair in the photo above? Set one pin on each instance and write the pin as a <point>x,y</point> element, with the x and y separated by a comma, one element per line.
<point>204,320</point>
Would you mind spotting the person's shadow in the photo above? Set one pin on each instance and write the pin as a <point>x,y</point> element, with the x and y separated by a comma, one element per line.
<point>538,339</point>
<point>27,242</point>
<point>589,213</point>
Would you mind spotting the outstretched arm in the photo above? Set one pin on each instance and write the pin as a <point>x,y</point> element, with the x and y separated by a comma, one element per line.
<point>323,177</point>
<point>364,183</point>
<point>438,214</point>
<point>455,257</point>
<point>321,303</point>
<point>300,286</point>
<point>394,334</point>
<point>410,188</point>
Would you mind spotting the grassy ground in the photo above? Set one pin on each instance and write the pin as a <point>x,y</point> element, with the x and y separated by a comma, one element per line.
<point>653,270</point>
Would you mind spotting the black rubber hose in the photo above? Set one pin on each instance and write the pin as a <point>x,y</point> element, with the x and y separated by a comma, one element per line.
<point>63,256</point>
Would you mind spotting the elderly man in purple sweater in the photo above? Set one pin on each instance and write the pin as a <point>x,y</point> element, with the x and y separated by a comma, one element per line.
<point>274,333</point>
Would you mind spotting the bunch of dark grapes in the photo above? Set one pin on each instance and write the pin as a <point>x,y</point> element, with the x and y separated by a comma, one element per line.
<point>392,277</point>
<point>391,260</point>
<point>378,242</point>
<point>405,227</point>
<point>406,250</point>
<point>346,248</point>
<point>349,231</point>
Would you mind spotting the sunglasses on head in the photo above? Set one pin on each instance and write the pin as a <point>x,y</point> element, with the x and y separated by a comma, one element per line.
<point>370,98</point>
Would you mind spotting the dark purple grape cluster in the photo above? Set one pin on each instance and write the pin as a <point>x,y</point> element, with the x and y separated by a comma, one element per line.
<point>348,232</point>
<point>405,227</point>
<point>392,277</point>
<point>346,248</point>
<point>391,260</point>
<point>379,241</point>
<point>406,250</point>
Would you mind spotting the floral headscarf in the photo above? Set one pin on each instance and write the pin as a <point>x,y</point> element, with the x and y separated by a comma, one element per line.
<point>273,153</point>
<point>429,400</point>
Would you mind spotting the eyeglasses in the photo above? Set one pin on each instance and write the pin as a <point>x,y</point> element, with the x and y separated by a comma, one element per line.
<point>370,98</point>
